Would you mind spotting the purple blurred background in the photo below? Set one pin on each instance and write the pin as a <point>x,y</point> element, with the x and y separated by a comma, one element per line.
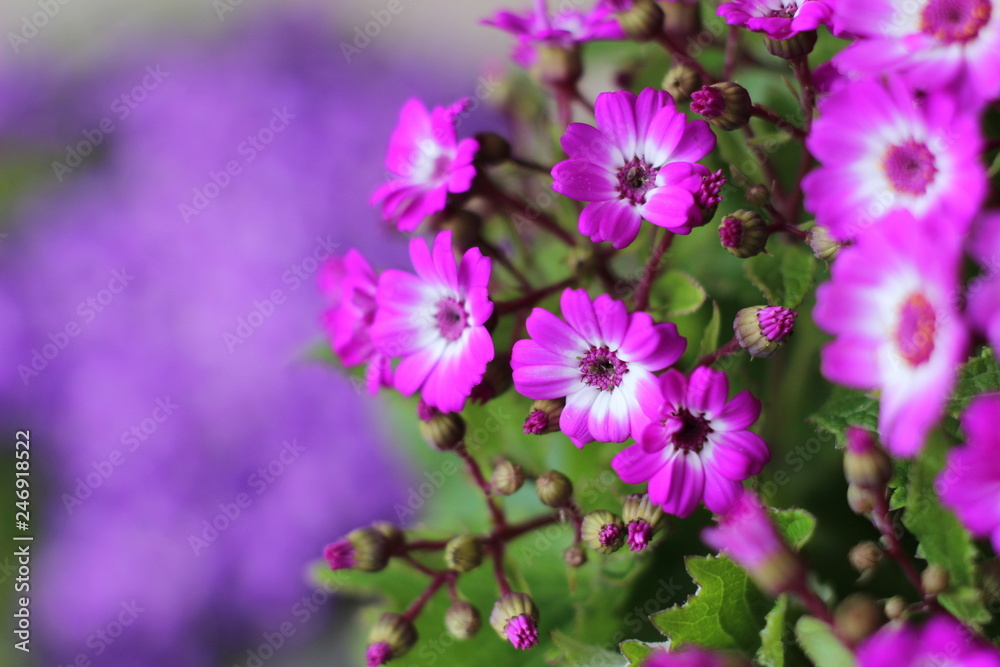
<point>168,194</point>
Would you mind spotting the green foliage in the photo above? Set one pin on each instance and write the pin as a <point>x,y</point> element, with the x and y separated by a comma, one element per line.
<point>846,407</point>
<point>785,275</point>
<point>772,638</point>
<point>710,340</point>
<point>795,525</point>
<point>636,651</point>
<point>820,644</point>
<point>576,653</point>
<point>980,375</point>
<point>676,293</point>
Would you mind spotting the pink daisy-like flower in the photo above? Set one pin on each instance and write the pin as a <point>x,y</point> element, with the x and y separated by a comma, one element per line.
<point>697,445</point>
<point>777,19</point>
<point>637,163</point>
<point>434,320</point>
<point>941,640</point>
<point>349,284</point>
<point>891,306</point>
<point>562,29</point>
<point>984,290</point>
<point>970,484</point>
<point>601,359</point>
<point>427,162</point>
<point>882,150</point>
<point>935,44</point>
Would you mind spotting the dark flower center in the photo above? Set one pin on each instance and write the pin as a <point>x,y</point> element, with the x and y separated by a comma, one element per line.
<point>635,179</point>
<point>786,12</point>
<point>693,432</point>
<point>602,368</point>
<point>451,318</point>
<point>952,21</point>
<point>909,167</point>
<point>917,326</point>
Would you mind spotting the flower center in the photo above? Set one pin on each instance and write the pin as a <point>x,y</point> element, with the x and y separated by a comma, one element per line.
<point>602,368</point>
<point>953,21</point>
<point>693,432</point>
<point>909,167</point>
<point>917,326</point>
<point>639,534</point>
<point>609,535</point>
<point>451,318</point>
<point>786,12</point>
<point>636,178</point>
<point>731,232</point>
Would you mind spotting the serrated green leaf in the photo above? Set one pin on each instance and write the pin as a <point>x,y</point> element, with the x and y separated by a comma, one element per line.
<point>943,539</point>
<point>795,525</point>
<point>821,645</point>
<point>727,612</point>
<point>676,293</point>
<point>772,644</point>
<point>846,407</point>
<point>574,652</point>
<point>710,339</point>
<point>785,276</point>
<point>979,376</point>
<point>636,651</point>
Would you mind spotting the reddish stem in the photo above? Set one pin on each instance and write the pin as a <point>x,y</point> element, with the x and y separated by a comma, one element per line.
<point>497,515</point>
<point>732,347</point>
<point>417,606</point>
<point>520,208</point>
<point>652,268</point>
<point>881,520</point>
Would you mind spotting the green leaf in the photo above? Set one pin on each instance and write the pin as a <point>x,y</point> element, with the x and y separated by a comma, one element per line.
<point>636,651</point>
<point>980,375</point>
<point>574,652</point>
<point>821,645</point>
<point>710,339</point>
<point>795,525</point>
<point>995,167</point>
<point>846,407</point>
<point>943,539</point>
<point>727,612</point>
<point>771,140</point>
<point>772,645</point>
<point>785,276</point>
<point>677,293</point>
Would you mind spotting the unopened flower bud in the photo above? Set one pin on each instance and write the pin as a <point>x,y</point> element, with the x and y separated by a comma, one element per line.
<point>681,81</point>
<point>935,579</point>
<point>988,577</point>
<point>558,66</point>
<point>390,638</point>
<point>493,149</point>
<point>823,245</point>
<point>682,19</point>
<point>761,330</point>
<point>726,105</point>
<point>642,22</point>
<point>544,416</point>
<point>440,430</point>
<point>708,196</point>
<point>865,464</point>
<point>603,531</point>
<point>642,519</point>
<point>463,553</point>
<point>364,549</point>
<point>895,607</point>
<point>575,556</point>
<point>393,535</point>
<point>507,478</point>
<point>743,233</point>
<point>497,379</point>
<point>466,228</point>
<point>861,501</point>
<point>758,195</point>
<point>462,620</point>
<point>858,617</point>
<point>554,488</point>
<point>865,556</point>
<point>800,44</point>
<point>515,618</point>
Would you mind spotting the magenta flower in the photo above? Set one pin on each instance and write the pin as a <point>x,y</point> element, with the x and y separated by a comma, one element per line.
<point>942,640</point>
<point>777,19</point>
<point>984,291</point>
<point>349,285</point>
<point>601,359</point>
<point>434,320</point>
<point>881,150</point>
<point>427,162</point>
<point>693,656</point>
<point>562,29</point>
<point>697,445</point>
<point>637,163</point>
<point>970,483</point>
<point>746,534</point>
<point>935,44</point>
<point>891,306</point>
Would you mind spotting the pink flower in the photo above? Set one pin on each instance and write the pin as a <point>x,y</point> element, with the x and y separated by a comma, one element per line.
<point>697,445</point>
<point>882,150</point>
<point>427,161</point>
<point>693,656</point>
<point>984,291</point>
<point>777,19</point>
<point>434,320</point>
<point>942,640</point>
<point>562,29</point>
<point>349,284</point>
<point>935,44</point>
<point>970,484</point>
<point>601,359</point>
<point>890,306</point>
<point>637,163</point>
<point>745,533</point>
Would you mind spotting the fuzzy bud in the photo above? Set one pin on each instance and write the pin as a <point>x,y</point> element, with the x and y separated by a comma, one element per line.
<point>493,149</point>
<point>761,330</point>
<point>743,233</point>
<point>515,618</point>
<point>390,638</point>
<point>603,531</point>
<point>935,579</point>
<point>895,607</point>
<point>554,488</point>
<point>862,501</point>
<point>681,81</point>
<point>440,430</point>
<point>544,416</point>
<point>726,105</point>
<point>858,617</point>
<point>642,22</point>
<point>575,556</point>
<point>462,620</point>
<point>507,478</point>
<point>800,44</point>
<point>642,519</point>
<point>758,195</point>
<point>393,535</point>
<point>558,66</point>
<point>865,464</point>
<point>364,549</point>
<point>463,553</point>
<point>708,195</point>
<point>823,245</point>
<point>497,379</point>
<point>865,557</point>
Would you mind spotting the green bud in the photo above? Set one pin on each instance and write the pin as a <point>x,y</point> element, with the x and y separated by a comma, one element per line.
<point>462,620</point>
<point>554,488</point>
<point>463,553</point>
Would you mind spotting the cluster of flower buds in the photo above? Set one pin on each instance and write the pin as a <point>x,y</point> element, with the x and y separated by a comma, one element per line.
<point>606,532</point>
<point>761,330</point>
<point>867,469</point>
